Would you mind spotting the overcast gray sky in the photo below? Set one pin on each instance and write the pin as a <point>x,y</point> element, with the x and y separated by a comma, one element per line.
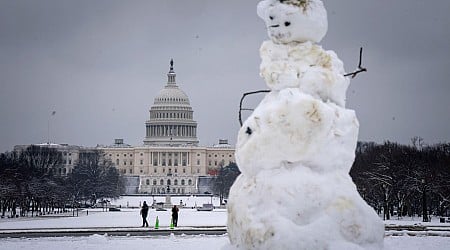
<point>100,63</point>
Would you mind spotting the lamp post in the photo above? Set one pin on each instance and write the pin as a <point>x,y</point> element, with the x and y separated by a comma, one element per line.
<point>48,125</point>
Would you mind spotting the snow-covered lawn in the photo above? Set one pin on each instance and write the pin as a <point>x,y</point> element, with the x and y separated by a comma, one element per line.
<point>187,201</point>
<point>97,242</point>
<point>124,218</point>
<point>129,217</point>
<point>410,221</point>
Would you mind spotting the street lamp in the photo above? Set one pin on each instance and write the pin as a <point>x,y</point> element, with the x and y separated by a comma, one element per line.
<point>48,126</point>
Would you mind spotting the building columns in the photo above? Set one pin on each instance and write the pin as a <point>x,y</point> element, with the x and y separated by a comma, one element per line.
<point>172,131</point>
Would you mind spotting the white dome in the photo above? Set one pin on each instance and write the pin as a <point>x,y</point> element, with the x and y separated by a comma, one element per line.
<point>171,117</point>
<point>171,95</point>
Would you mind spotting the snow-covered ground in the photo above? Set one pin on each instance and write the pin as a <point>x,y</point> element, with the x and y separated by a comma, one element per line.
<point>410,221</point>
<point>124,218</point>
<point>97,242</point>
<point>129,217</point>
<point>187,201</point>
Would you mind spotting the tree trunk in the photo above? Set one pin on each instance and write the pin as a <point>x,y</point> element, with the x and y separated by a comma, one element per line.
<point>424,206</point>
<point>387,215</point>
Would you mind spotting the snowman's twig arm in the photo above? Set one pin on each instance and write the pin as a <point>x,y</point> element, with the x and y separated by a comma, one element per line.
<point>242,99</point>
<point>360,68</point>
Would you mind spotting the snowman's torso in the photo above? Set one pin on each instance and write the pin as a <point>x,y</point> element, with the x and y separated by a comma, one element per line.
<point>305,66</point>
<point>289,127</point>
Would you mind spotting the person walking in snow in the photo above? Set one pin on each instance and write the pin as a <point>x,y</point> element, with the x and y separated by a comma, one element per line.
<point>175,215</point>
<point>144,212</point>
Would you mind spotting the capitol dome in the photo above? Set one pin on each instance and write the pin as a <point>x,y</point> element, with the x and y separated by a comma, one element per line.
<point>171,117</point>
<point>171,95</point>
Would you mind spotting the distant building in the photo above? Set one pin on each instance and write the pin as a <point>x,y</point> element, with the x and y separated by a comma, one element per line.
<point>70,155</point>
<point>170,160</point>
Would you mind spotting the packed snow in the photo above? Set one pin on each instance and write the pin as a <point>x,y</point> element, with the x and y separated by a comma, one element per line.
<point>305,66</point>
<point>97,242</point>
<point>172,242</point>
<point>296,149</point>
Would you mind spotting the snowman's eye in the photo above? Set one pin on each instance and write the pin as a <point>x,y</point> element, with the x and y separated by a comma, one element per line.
<point>249,131</point>
<point>271,17</point>
<point>287,23</point>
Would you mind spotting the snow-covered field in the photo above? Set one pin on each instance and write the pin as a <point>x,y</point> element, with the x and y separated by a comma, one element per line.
<point>187,201</point>
<point>97,242</point>
<point>129,217</point>
<point>124,218</point>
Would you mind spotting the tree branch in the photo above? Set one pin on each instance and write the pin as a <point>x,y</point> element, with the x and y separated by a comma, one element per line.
<point>242,99</point>
<point>360,68</point>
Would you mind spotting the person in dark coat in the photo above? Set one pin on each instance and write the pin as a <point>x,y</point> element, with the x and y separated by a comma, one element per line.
<point>144,213</point>
<point>175,215</point>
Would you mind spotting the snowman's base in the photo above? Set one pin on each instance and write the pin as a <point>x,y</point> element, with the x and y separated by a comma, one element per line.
<point>301,209</point>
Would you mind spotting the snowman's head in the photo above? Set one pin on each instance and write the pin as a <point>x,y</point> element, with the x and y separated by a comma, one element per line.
<point>294,20</point>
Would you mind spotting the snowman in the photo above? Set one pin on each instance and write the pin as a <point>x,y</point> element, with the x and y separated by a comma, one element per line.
<point>296,149</point>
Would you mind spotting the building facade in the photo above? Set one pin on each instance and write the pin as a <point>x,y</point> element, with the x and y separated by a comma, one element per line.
<point>169,169</point>
<point>170,160</point>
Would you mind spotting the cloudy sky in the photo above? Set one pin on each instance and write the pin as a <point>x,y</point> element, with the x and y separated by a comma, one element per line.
<point>100,63</point>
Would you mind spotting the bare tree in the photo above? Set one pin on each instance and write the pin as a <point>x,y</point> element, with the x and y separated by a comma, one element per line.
<point>225,179</point>
<point>94,177</point>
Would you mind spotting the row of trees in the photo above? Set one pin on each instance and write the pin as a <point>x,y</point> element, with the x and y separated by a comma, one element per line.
<point>404,180</point>
<point>30,183</point>
<point>395,179</point>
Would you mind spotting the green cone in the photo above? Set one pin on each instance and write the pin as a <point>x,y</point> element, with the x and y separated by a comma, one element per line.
<point>157,223</point>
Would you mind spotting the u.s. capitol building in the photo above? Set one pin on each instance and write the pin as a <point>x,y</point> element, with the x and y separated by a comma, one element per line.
<point>170,159</point>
